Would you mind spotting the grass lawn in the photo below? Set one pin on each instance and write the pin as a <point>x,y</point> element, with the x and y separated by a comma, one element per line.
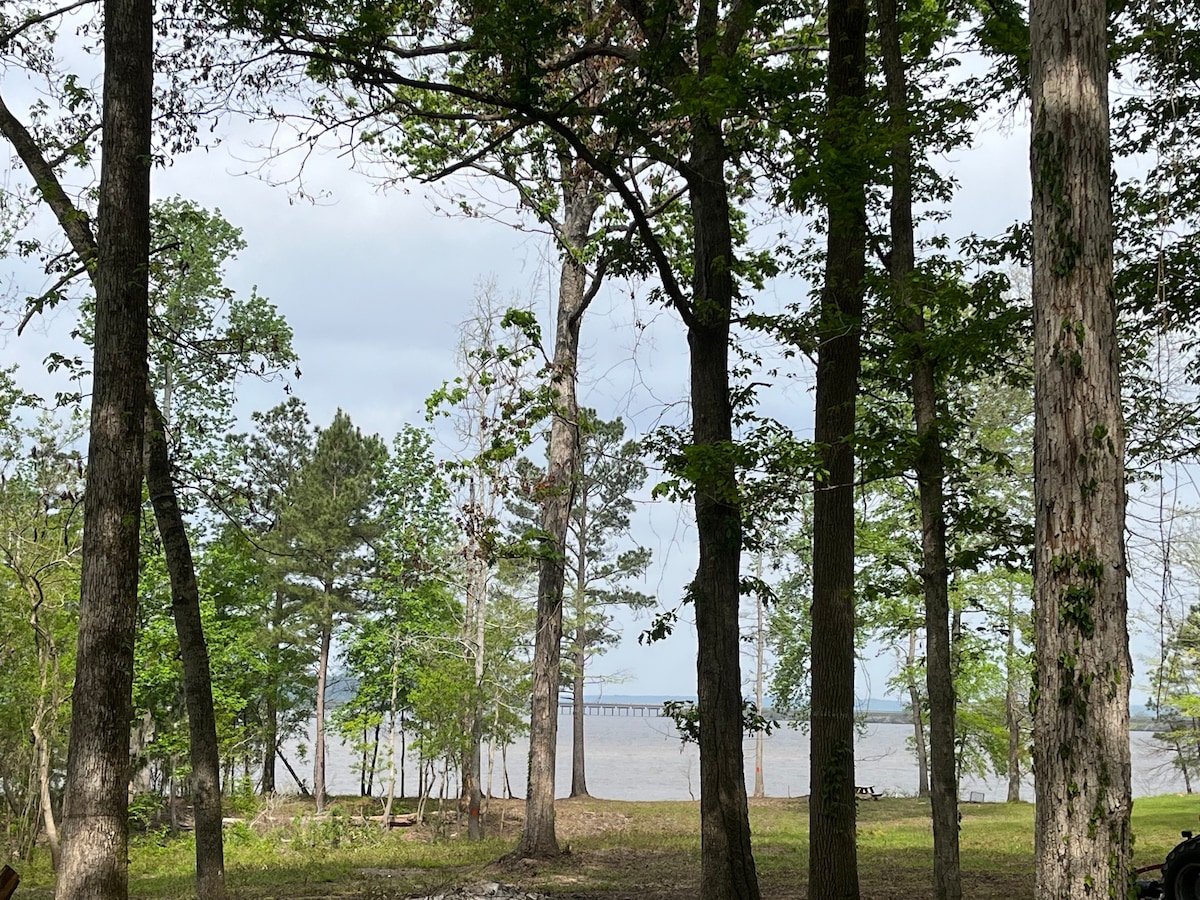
<point>619,850</point>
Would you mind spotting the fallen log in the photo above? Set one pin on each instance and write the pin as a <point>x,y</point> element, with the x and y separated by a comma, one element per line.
<point>397,820</point>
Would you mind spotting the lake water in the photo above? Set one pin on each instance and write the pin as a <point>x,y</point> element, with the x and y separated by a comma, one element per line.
<point>641,758</point>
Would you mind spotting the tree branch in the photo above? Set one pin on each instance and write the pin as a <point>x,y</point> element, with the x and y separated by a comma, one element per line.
<point>380,76</point>
<point>37,304</point>
<point>74,221</point>
<point>37,20</point>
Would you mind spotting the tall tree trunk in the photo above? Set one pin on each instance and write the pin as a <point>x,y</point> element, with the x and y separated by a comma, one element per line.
<point>579,651</point>
<point>578,755</point>
<point>95,814</point>
<point>1081,721</point>
<point>326,639</point>
<point>760,639</point>
<point>473,642</point>
<point>46,710</point>
<point>271,699</point>
<point>916,701</point>
<point>833,860</point>
<point>45,806</point>
<point>580,202</point>
<point>929,465</point>
<point>727,863</point>
<point>197,679</point>
<point>1012,719</point>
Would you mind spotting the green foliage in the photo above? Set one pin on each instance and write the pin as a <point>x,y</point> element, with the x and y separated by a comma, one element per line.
<point>409,606</point>
<point>1175,680</point>
<point>686,716</point>
<point>789,623</point>
<point>41,518</point>
<point>599,571</point>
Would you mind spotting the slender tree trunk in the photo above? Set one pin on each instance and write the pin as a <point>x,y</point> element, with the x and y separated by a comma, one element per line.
<point>929,466</point>
<point>46,710</point>
<point>727,863</point>
<point>300,785</point>
<point>760,789</point>
<point>394,762</point>
<point>1081,720</point>
<point>472,785</point>
<point>326,639</point>
<point>1012,718</point>
<point>580,202</point>
<point>473,642</point>
<point>578,760</point>
<point>197,679</point>
<point>271,700</point>
<point>833,860</point>
<point>95,814</point>
<point>916,701</point>
<point>42,748</point>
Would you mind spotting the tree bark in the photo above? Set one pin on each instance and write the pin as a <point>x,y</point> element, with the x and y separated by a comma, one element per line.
<point>271,698</point>
<point>42,750</point>
<point>326,639</point>
<point>474,633</point>
<point>727,867</point>
<point>833,860</point>
<point>918,717</point>
<point>578,754</point>
<point>1012,719</point>
<point>197,679</point>
<point>1081,719</point>
<point>95,814</point>
<point>580,202</point>
<point>760,641</point>
<point>579,650</point>
<point>930,468</point>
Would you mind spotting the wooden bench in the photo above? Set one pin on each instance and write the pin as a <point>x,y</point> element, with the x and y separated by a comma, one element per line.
<point>9,879</point>
<point>866,792</point>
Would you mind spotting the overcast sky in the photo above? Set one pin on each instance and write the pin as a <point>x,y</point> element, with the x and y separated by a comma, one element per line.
<point>375,285</point>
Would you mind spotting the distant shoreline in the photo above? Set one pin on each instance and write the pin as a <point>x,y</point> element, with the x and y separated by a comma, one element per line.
<point>875,712</point>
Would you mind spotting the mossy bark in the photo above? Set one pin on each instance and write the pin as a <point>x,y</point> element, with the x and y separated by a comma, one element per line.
<point>1081,718</point>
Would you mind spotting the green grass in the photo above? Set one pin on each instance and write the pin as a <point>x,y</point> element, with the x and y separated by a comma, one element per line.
<point>617,850</point>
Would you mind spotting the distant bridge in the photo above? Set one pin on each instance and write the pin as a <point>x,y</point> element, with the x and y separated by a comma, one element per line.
<point>600,708</point>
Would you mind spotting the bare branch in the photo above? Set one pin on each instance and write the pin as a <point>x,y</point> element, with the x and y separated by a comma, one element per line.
<point>37,20</point>
<point>37,304</point>
<point>380,76</point>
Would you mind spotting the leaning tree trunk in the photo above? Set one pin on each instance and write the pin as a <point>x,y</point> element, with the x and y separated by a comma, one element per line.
<point>1081,721</point>
<point>580,202</point>
<point>727,864</point>
<point>95,810</point>
<point>930,467</point>
<point>833,860</point>
<point>197,679</point>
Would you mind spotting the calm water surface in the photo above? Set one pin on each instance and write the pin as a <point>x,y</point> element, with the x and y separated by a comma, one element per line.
<point>632,758</point>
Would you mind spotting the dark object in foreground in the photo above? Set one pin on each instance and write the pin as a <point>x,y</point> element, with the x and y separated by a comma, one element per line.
<point>9,879</point>
<point>1180,873</point>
